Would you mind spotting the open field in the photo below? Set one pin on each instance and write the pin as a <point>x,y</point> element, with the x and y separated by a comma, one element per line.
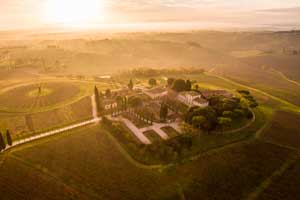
<point>103,172</point>
<point>284,130</point>
<point>288,64</point>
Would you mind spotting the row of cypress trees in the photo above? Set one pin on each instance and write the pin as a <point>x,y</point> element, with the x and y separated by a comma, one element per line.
<point>8,139</point>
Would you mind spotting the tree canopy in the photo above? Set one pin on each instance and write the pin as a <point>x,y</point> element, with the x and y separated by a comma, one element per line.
<point>152,82</point>
<point>108,93</point>
<point>179,85</point>
<point>224,122</point>
<point>207,113</point>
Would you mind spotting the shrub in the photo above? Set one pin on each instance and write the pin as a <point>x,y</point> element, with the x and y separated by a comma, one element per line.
<point>244,92</point>
<point>227,114</point>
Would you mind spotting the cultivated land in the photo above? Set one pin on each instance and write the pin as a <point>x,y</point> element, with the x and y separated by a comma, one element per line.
<point>29,98</point>
<point>257,161</point>
<point>284,130</point>
<point>285,186</point>
<point>99,174</point>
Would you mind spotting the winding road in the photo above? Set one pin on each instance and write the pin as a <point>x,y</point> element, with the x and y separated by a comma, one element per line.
<point>285,77</point>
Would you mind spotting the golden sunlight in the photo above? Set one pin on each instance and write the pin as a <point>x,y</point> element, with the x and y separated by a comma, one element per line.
<point>73,12</point>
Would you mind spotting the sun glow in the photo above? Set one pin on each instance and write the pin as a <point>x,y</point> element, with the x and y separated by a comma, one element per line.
<point>73,12</point>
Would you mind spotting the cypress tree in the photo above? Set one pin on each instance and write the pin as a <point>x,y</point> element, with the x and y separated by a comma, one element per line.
<point>2,143</point>
<point>8,138</point>
<point>130,84</point>
<point>163,111</point>
<point>98,100</point>
<point>188,85</point>
<point>125,103</point>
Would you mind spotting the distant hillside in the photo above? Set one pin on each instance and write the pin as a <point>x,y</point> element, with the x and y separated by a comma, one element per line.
<point>247,57</point>
<point>107,56</point>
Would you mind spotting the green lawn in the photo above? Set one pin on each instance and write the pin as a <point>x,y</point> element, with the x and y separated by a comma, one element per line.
<point>170,131</point>
<point>152,136</point>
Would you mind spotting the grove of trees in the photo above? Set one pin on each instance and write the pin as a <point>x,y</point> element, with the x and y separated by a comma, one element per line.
<point>180,85</point>
<point>222,112</point>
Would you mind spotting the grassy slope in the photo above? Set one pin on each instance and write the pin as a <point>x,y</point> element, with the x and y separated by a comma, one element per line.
<point>288,64</point>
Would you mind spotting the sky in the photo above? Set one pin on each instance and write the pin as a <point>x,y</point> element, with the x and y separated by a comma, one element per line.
<point>26,14</point>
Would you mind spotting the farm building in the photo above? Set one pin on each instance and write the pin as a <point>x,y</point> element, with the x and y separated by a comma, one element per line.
<point>156,93</point>
<point>109,104</point>
<point>192,98</point>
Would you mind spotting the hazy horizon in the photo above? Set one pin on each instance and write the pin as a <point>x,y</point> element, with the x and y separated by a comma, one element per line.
<point>155,15</point>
